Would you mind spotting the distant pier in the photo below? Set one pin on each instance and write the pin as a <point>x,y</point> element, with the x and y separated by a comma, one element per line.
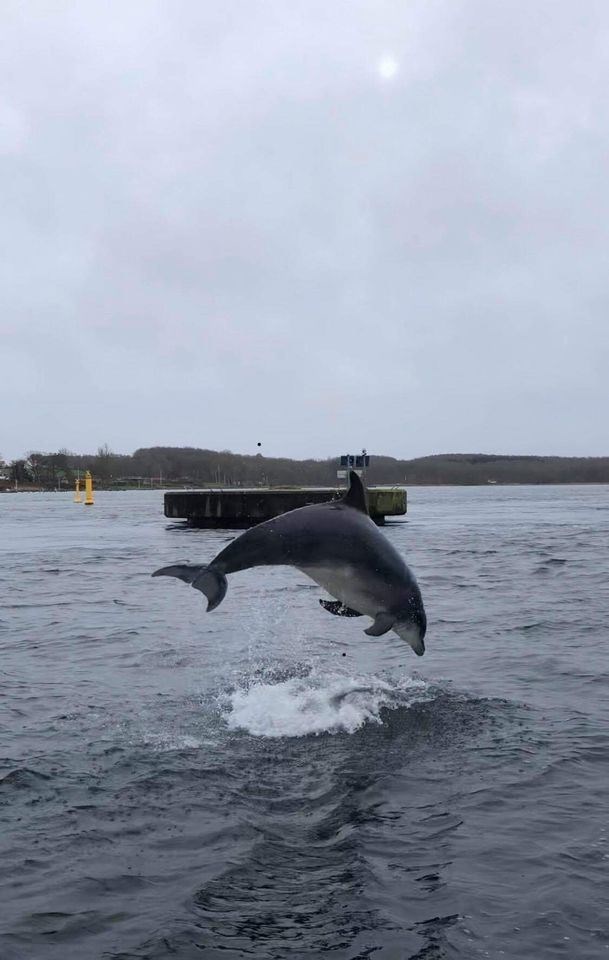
<point>238,507</point>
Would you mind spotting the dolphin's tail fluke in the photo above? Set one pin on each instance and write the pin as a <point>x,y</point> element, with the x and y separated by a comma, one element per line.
<point>204,578</point>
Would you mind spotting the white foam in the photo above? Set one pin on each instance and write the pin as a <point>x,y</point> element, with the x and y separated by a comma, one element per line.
<point>329,704</point>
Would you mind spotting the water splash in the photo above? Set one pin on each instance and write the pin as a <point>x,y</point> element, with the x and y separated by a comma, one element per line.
<point>164,742</point>
<point>299,706</point>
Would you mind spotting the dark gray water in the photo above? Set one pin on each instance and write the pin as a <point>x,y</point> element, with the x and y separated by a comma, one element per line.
<point>182,785</point>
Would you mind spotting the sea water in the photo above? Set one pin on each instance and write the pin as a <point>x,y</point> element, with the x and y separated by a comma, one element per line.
<point>266,781</point>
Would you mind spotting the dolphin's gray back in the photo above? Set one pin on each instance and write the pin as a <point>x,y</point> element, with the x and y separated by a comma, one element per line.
<point>321,534</point>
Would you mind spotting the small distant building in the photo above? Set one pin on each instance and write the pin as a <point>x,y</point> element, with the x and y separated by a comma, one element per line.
<point>353,461</point>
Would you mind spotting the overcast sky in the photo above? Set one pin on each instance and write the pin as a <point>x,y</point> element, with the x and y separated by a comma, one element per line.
<point>313,225</point>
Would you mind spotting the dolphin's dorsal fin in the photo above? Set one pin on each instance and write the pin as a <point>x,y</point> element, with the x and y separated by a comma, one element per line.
<point>356,494</point>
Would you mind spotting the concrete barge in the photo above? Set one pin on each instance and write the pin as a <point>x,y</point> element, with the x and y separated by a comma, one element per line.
<point>238,508</point>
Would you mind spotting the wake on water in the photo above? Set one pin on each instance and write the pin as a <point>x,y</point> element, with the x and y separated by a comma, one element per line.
<point>332,703</point>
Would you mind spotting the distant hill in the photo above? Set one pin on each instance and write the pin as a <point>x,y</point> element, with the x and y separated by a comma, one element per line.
<point>484,468</point>
<point>195,466</point>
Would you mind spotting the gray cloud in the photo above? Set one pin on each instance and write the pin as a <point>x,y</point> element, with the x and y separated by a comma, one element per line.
<point>221,225</point>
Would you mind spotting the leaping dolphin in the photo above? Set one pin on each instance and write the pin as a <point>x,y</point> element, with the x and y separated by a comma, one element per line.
<point>338,546</point>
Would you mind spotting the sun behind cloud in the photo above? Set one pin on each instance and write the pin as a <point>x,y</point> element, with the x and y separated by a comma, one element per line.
<point>387,67</point>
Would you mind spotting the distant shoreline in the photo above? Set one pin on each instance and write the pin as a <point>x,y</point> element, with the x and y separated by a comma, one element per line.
<point>176,468</point>
<point>422,484</point>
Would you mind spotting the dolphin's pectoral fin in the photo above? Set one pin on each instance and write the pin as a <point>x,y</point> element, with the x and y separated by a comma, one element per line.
<point>202,577</point>
<point>339,609</point>
<point>382,623</point>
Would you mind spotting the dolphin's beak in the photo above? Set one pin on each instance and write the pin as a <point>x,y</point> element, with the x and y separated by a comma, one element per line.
<point>418,646</point>
<point>413,635</point>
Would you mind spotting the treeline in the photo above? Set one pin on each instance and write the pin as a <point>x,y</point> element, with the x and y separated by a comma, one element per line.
<point>161,466</point>
<point>191,466</point>
<point>488,468</point>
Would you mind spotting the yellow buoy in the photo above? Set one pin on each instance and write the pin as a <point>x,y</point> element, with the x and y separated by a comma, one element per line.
<point>89,501</point>
<point>77,496</point>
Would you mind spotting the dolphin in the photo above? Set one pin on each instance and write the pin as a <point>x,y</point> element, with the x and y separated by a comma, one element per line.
<point>340,548</point>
